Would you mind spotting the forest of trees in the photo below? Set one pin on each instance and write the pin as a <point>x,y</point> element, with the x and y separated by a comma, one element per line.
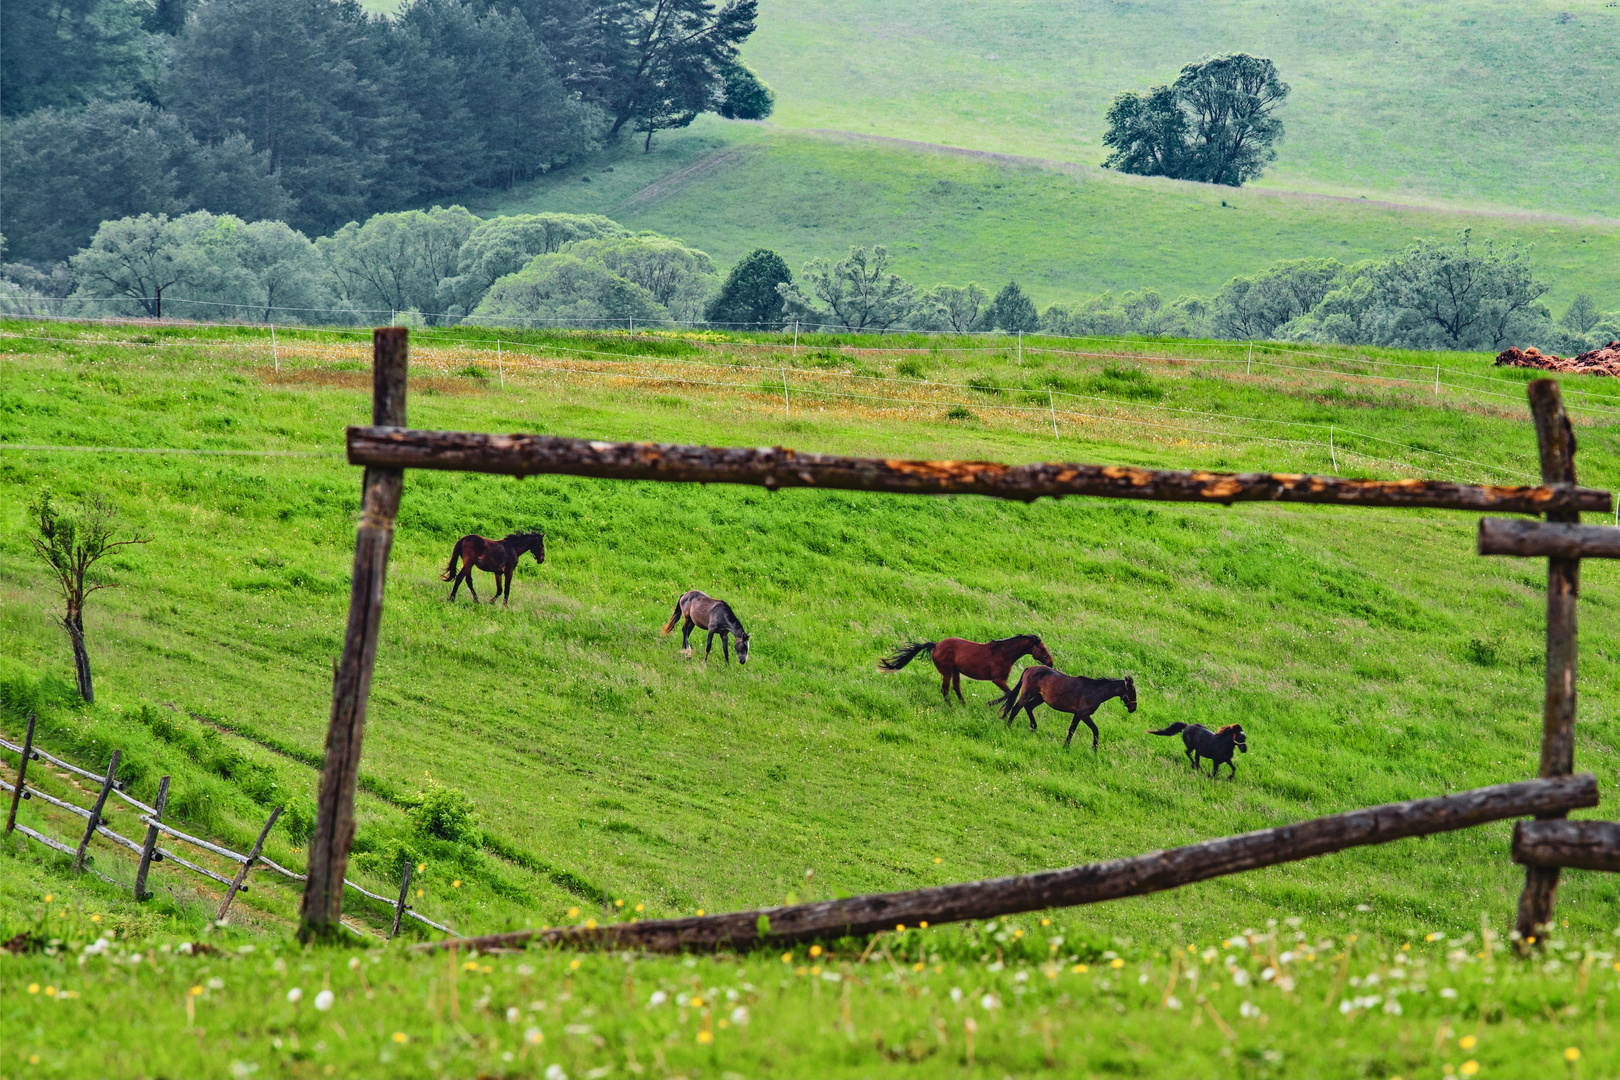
<point>444,265</point>
<point>315,113</point>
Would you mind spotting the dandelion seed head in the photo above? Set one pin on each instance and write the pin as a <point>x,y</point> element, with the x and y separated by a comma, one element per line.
<point>295,994</point>
<point>324,1000</point>
<point>354,963</point>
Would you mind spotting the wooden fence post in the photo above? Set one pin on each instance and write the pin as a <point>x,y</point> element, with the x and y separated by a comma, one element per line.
<point>404,892</point>
<point>22,769</point>
<point>148,848</point>
<point>379,506</point>
<point>95,814</point>
<point>1556,441</point>
<point>241,874</point>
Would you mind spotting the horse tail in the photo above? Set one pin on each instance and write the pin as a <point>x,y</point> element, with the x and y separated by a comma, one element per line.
<point>906,654</point>
<point>450,570</point>
<point>1008,702</point>
<point>675,618</point>
<point>1174,729</point>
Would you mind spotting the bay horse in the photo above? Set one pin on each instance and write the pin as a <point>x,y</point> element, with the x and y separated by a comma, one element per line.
<point>705,612</point>
<point>1217,746</point>
<point>498,557</point>
<point>954,657</point>
<point>1074,694</point>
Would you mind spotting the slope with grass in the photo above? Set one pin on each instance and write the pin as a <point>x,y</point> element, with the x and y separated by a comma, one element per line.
<point>1063,232</point>
<point>1478,103</point>
<point>1372,656</point>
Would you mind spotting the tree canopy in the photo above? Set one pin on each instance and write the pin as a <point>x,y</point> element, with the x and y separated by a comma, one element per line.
<point>748,299</point>
<point>858,292</point>
<point>1216,123</point>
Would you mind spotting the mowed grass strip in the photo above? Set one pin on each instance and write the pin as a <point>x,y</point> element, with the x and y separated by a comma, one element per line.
<point>1371,656</point>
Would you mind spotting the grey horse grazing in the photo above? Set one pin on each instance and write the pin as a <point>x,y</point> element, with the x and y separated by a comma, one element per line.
<point>715,616</point>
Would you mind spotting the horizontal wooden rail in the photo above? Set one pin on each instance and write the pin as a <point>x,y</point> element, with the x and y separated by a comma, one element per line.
<point>117,788</point>
<point>779,467</point>
<point>42,838</point>
<point>1089,884</point>
<point>1584,845</point>
<point>1553,539</point>
<point>192,840</point>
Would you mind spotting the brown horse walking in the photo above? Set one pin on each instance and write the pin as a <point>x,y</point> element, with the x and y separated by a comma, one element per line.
<point>954,657</point>
<point>498,557</point>
<point>1074,694</point>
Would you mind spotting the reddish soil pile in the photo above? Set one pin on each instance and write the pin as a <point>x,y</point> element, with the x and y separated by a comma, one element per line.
<point>1604,361</point>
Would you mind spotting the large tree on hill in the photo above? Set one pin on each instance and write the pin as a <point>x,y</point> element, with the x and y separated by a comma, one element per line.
<point>1216,124</point>
<point>858,292</point>
<point>658,64</point>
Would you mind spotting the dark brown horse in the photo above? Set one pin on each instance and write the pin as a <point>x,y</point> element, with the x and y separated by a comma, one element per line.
<point>715,616</point>
<point>954,657</point>
<point>1074,694</point>
<point>1217,746</point>
<point>498,557</point>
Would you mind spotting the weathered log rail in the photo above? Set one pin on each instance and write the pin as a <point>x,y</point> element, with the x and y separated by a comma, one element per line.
<point>1581,845</point>
<point>381,447</point>
<point>1090,884</point>
<point>1551,539</point>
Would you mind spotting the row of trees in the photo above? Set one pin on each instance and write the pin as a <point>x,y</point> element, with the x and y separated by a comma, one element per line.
<point>316,113</point>
<point>445,265</point>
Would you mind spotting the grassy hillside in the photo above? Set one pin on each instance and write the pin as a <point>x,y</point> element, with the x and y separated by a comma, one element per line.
<point>729,187</point>
<point>1485,102</point>
<point>1370,655</point>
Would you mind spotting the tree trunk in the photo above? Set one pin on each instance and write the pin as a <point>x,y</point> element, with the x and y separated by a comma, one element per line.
<point>74,624</point>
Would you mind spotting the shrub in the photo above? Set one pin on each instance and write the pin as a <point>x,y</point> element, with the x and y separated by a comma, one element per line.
<point>444,813</point>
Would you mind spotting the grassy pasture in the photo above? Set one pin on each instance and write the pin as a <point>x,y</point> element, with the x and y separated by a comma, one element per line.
<point>1371,656</point>
<point>1062,232</point>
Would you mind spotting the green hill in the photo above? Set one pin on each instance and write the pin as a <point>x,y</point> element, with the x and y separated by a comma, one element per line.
<point>1483,102</point>
<point>1062,231</point>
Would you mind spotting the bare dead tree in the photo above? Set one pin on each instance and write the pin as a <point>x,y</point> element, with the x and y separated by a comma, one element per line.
<point>72,546</point>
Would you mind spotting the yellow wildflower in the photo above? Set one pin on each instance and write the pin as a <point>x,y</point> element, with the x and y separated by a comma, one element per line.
<point>1467,1042</point>
<point>400,1036</point>
<point>815,950</point>
<point>1572,1053</point>
<point>1469,1067</point>
<point>705,1037</point>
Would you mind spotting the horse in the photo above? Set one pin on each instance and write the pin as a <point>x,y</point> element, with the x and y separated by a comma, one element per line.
<point>1074,694</point>
<point>954,657</point>
<point>1200,742</point>
<point>715,616</point>
<point>499,557</point>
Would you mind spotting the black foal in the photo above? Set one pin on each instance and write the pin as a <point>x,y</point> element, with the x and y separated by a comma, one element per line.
<point>1217,746</point>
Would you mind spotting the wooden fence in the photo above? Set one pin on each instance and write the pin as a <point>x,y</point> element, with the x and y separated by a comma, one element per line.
<point>152,818</point>
<point>387,447</point>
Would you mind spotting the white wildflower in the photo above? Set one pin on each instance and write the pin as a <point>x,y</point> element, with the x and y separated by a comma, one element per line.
<point>324,999</point>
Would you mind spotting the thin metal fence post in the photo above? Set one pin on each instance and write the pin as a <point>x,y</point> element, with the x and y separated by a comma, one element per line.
<point>787,406</point>
<point>275,353</point>
<point>148,849</point>
<point>1248,368</point>
<point>1332,452</point>
<point>1020,348</point>
<point>22,770</point>
<point>1051,403</point>
<point>95,814</point>
<point>499,364</point>
<point>1437,378</point>
<point>795,337</point>
<point>404,893</point>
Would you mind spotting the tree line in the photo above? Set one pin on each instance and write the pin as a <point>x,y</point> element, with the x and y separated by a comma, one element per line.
<point>315,113</point>
<point>444,266</point>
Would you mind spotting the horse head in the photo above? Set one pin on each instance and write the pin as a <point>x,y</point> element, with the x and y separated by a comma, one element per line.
<point>1128,696</point>
<point>1041,654</point>
<point>532,542</point>
<point>742,647</point>
<point>1238,739</point>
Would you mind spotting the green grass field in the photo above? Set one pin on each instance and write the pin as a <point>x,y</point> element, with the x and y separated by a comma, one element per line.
<point>1371,655</point>
<point>1061,232</point>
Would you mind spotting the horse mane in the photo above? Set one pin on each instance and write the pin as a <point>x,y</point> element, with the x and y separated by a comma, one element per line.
<point>1015,637</point>
<point>1228,728</point>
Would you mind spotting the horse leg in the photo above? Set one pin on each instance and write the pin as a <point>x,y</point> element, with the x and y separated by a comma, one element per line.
<point>1079,716</point>
<point>945,686</point>
<point>686,636</point>
<point>708,646</point>
<point>467,576</point>
<point>1002,683</point>
<point>1233,767</point>
<point>956,681</point>
<point>725,645</point>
